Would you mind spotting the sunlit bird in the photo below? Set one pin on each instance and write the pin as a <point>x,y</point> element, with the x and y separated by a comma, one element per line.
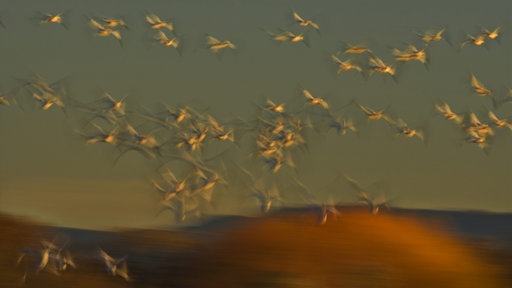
<point>500,123</point>
<point>376,115</point>
<point>314,100</point>
<point>480,141</point>
<point>47,100</point>
<point>173,187</point>
<point>476,126</point>
<point>305,23</point>
<point>356,49</point>
<point>111,137</point>
<point>4,101</point>
<point>157,23</point>
<point>216,45</point>
<point>403,129</point>
<point>342,125</point>
<point>183,206</point>
<point>115,267</point>
<point>377,65</point>
<point>162,38</point>
<point>345,65</point>
<point>43,86</point>
<point>57,18</point>
<point>48,257</point>
<point>287,36</point>
<point>113,105</point>
<point>477,41</point>
<point>430,36</point>
<point>324,207</point>
<point>114,22</point>
<point>445,110</point>
<point>63,260</point>
<point>374,203</point>
<point>147,140</point>
<point>478,87</point>
<point>271,106</point>
<point>410,54</point>
<point>104,31</point>
<point>492,34</point>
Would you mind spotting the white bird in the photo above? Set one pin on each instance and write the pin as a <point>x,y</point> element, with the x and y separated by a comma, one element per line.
<point>377,65</point>
<point>157,23</point>
<point>431,36</point>
<point>345,65</point>
<point>216,45</point>
<point>305,23</point>
<point>478,87</point>
<point>324,207</point>
<point>116,267</point>
<point>447,113</point>
<point>104,31</point>
<point>315,100</point>
<point>266,196</point>
<point>162,38</point>
<point>374,203</point>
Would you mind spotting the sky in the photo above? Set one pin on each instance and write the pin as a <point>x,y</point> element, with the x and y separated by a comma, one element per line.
<point>47,171</point>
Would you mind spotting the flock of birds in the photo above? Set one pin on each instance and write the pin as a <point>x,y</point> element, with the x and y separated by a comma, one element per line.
<point>182,139</point>
<point>55,258</point>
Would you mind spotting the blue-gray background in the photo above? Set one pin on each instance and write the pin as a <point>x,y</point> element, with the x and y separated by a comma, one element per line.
<point>46,171</point>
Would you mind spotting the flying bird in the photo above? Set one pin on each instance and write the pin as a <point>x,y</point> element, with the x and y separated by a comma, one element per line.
<point>304,23</point>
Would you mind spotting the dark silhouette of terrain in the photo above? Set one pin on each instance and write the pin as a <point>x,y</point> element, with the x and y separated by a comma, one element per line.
<point>287,248</point>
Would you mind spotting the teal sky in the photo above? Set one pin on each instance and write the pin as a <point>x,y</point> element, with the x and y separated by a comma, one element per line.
<point>46,171</point>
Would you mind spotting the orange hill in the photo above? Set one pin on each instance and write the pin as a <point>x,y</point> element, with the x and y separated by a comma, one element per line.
<point>356,250</point>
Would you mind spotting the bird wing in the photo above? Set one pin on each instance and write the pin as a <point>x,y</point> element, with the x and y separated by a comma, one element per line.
<point>210,40</point>
<point>307,94</point>
<point>297,17</point>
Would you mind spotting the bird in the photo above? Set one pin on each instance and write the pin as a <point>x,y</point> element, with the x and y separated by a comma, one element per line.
<point>105,31</point>
<point>322,207</point>
<point>342,125</point>
<point>304,23</point>
<point>116,267</point>
<point>315,100</point>
<point>111,137</point>
<point>162,38</point>
<point>376,115</point>
<point>356,49</point>
<point>345,65</point>
<point>56,18</point>
<point>215,45</point>
<point>377,65</point>
<point>374,204</point>
<point>277,108</point>
<point>47,100</point>
<point>431,36</point>
<point>173,187</point>
<point>4,101</point>
<point>478,87</point>
<point>476,126</point>
<point>286,36</point>
<point>476,41</point>
<point>411,53</point>
<point>447,113</point>
<point>114,22</point>
<point>403,129</point>
<point>481,141</point>
<point>492,34</point>
<point>157,23</point>
<point>500,123</point>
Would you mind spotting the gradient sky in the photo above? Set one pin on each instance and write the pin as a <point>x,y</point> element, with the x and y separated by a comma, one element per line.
<point>47,172</point>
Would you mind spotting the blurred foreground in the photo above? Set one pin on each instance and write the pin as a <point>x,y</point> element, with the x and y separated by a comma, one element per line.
<point>285,249</point>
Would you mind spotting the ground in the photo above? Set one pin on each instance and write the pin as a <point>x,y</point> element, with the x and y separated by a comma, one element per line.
<point>284,249</point>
